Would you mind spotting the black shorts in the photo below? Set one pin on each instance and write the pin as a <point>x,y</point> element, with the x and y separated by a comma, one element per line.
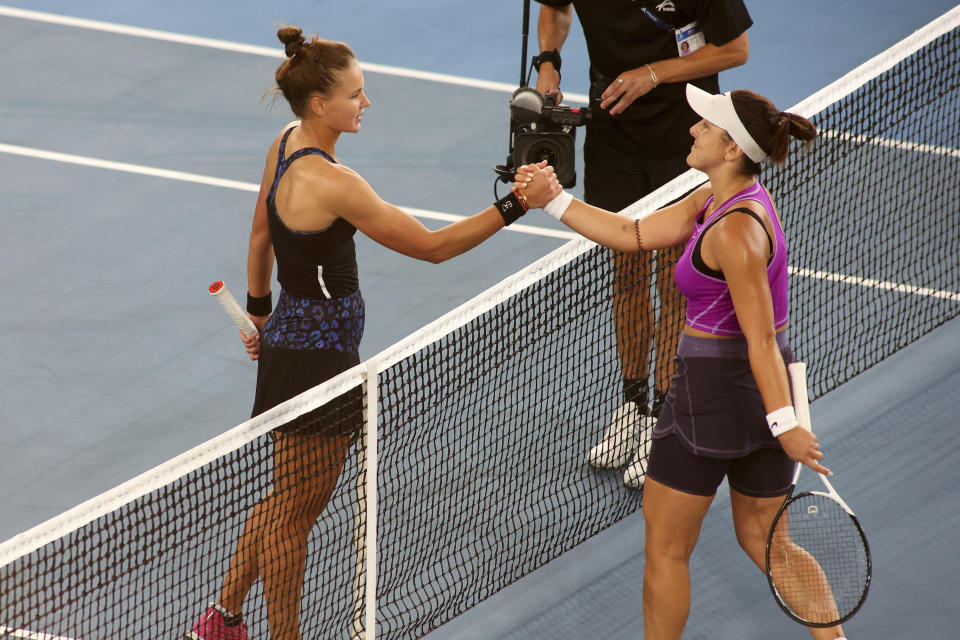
<point>305,343</point>
<point>714,405</point>
<point>617,173</point>
<point>283,374</point>
<point>765,473</point>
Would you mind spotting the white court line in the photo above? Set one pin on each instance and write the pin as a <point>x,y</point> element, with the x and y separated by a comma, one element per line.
<point>410,73</point>
<point>904,145</point>
<point>875,284</point>
<point>69,158</point>
<point>270,52</point>
<point>7,632</point>
<point>240,186</point>
<point>432,215</point>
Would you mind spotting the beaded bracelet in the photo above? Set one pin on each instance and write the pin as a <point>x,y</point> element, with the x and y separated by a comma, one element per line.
<point>522,197</point>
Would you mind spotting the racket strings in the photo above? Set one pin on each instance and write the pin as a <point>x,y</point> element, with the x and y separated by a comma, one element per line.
<point>819,563</point>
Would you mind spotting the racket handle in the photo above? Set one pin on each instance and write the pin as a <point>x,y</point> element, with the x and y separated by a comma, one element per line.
<point>219,291</point>
<point>798,384</point>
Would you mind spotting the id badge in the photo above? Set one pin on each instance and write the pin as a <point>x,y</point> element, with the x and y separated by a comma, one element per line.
<point>689,39</point>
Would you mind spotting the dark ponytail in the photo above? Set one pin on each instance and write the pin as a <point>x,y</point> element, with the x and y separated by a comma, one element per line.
<point>311,67</point>
<point>770,127</point>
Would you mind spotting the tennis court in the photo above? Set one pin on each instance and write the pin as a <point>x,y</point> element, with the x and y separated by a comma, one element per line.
<point>130,166</point>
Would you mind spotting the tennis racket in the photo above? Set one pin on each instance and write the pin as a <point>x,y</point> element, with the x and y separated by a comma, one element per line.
<point>817,557</point>
<point>219,291</point>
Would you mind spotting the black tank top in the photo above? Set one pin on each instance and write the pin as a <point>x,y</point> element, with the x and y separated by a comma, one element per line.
<point>311,264</point>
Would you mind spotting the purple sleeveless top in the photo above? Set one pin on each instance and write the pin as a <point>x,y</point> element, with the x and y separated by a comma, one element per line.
<point>709,306</point>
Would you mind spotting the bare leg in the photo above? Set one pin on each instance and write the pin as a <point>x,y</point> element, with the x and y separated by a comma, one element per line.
<point>673,520</point>
<point>274,541</point>
<point>243,570</point>
<point>673,307</point>
<point>633,313</point>
<point>752,519</point>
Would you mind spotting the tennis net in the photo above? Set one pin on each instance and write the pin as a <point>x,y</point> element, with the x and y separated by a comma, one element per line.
<point>470,471</point>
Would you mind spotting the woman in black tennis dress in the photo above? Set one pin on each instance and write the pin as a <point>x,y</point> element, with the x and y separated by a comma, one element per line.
<point>308,210</point>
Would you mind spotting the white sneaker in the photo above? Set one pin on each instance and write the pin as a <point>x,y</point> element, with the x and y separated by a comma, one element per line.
<point>636,473</point>
<point>621,438</point>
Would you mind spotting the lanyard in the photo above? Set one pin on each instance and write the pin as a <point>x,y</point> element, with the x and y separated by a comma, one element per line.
<point>657,20</point>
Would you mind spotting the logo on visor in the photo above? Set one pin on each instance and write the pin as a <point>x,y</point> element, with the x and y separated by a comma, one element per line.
<point>667,5</point>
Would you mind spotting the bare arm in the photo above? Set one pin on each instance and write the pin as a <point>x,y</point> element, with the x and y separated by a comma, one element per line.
<point>706,60</point>
<point>358,203</point>
<point>663,228</point>
<point>553,26</point>
<point>260,256</point>
<point>260,250</point>
<point>259,261</point>
<point>739,247</point>
<point>666,227</point>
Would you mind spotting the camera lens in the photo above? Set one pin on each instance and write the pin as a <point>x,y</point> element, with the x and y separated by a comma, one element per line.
<point>544,151</point>
<point>556,147</point>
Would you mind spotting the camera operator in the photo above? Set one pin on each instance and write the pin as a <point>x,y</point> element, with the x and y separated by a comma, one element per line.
<point>641,54</point>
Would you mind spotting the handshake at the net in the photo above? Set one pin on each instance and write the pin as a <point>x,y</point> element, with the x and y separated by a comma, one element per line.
<point>538,183</point>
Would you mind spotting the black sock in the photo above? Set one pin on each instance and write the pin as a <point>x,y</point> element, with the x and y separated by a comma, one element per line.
<point>636,390</point>
<point>232,620</point>
<point>229,619</point>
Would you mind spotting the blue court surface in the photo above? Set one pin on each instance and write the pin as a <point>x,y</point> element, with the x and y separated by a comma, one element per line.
<point>128,167</point>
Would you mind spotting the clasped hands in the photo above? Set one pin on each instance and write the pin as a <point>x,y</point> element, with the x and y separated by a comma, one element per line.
<point>538,183</point>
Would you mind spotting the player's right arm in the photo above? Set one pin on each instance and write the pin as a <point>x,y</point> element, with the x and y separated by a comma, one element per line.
<point>553,25</point>
<point>350,197</point>
<point>260,250</point>
<point>260,256</point>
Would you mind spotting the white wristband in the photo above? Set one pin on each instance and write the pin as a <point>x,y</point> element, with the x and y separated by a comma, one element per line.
<point>782,420</point>
<point>558,206</point>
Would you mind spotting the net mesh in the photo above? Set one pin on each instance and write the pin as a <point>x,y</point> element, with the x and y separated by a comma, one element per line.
<point>485,418</point>
<point>147,568</point>
<point>870,217</point>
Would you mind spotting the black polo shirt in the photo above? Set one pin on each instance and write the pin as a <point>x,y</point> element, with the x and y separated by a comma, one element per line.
<point>620,36</point>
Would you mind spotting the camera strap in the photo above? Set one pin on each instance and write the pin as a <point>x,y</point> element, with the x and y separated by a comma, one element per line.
<point>657,20</point>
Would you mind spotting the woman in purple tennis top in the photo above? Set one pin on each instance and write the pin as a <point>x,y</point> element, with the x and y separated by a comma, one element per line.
<point>729,411</point>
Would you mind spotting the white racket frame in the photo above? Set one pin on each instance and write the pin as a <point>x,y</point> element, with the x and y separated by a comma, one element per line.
<point>801,405</point>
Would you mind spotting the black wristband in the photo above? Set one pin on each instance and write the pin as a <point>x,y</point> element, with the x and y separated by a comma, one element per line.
<point>510,208</point>
<point>552,56</point>
<point>261,306</point>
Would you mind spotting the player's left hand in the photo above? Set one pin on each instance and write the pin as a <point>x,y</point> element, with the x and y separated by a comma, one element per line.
<point>626,87</point>
<point>802,446</point>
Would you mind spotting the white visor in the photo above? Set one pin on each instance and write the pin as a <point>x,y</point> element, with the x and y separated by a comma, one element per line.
<point>718,110</point>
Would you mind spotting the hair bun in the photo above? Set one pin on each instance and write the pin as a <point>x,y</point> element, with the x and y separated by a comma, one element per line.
<point>292,38</point>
